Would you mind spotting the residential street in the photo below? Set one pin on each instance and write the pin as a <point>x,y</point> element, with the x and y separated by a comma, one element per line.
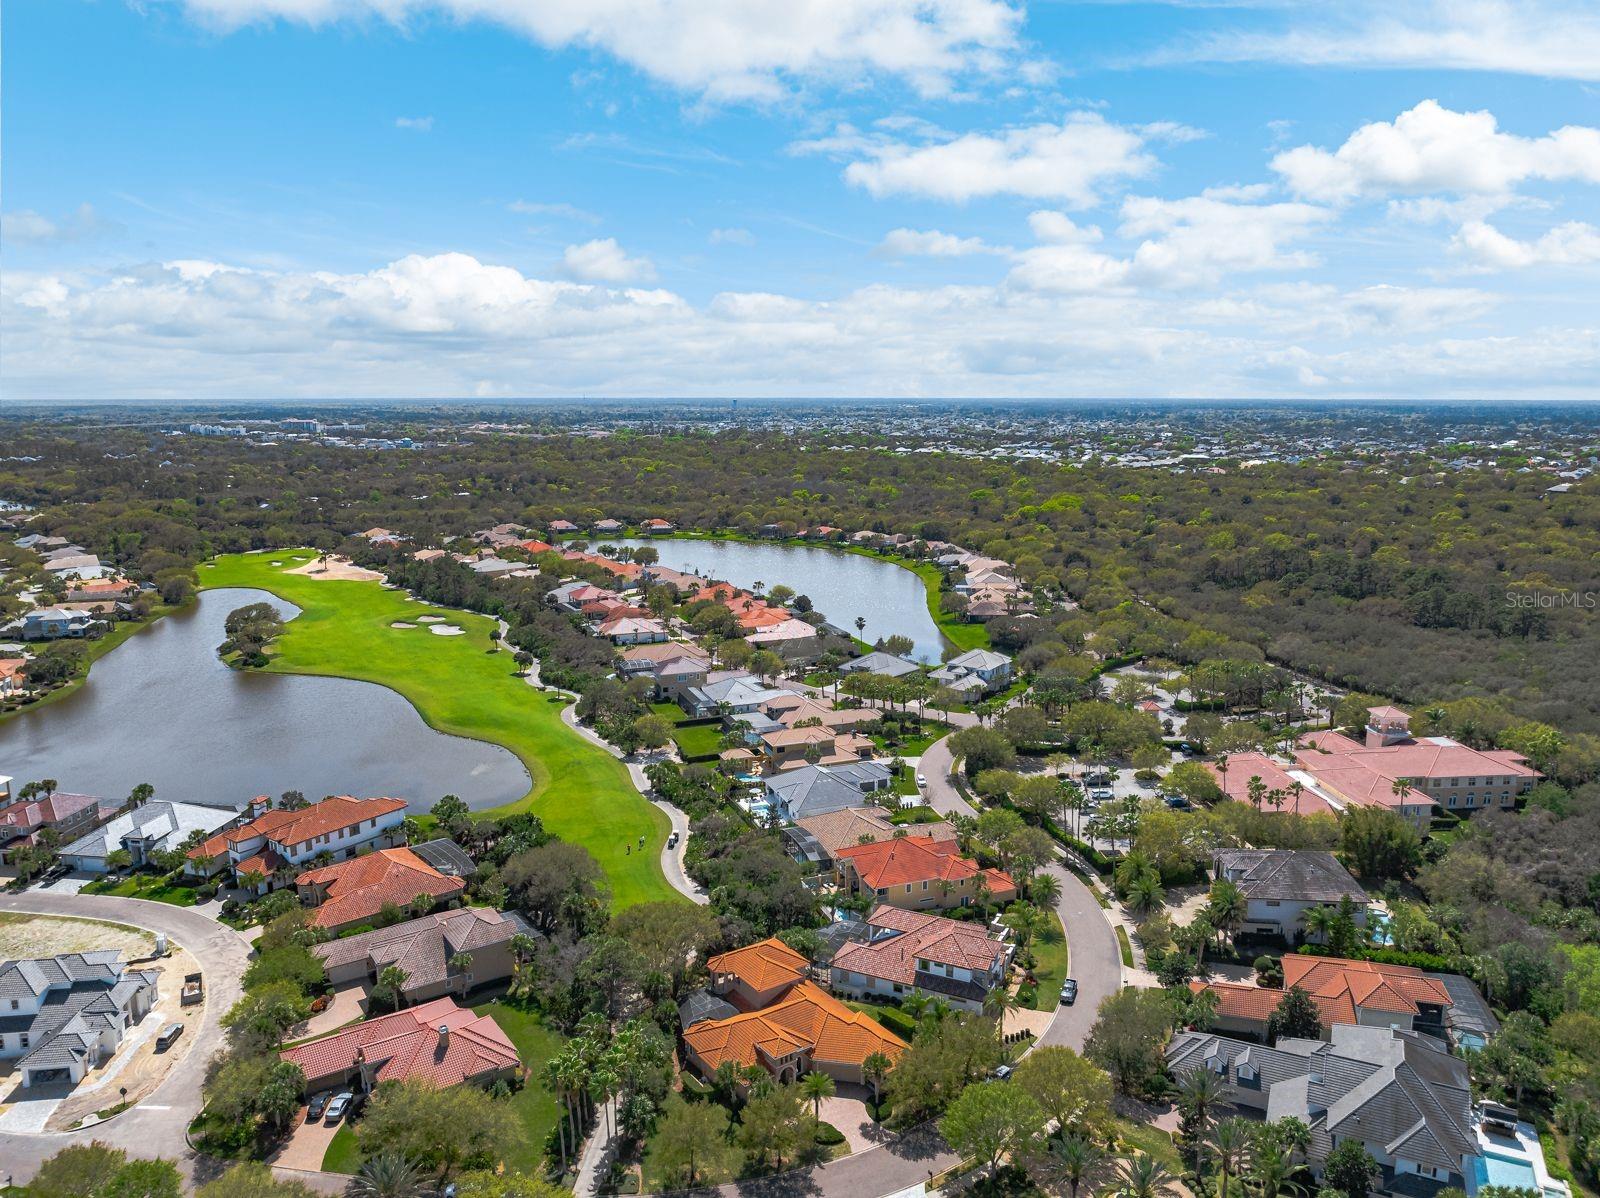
<point>156,1126</point>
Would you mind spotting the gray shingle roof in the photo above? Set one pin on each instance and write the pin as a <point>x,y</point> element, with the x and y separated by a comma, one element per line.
<point>1288,874</point>
<point>1398,1090</point>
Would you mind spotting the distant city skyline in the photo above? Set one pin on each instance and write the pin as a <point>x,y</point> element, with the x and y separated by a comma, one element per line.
<point>331,200</point>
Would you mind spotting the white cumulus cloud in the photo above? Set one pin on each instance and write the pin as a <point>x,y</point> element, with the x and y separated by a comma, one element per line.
<point>1571,244</point>
<point>603,261</point>
<point>26,227</point>
<point>1069,162</point>
<point>417,124</point>
<point>723,49</point>
<point>1431,148</point>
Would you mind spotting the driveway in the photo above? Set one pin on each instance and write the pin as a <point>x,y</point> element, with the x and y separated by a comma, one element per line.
<point>346,1007</point>
<point>156,1126</point>
<point>306,1146</point>
<point>847,1110</point>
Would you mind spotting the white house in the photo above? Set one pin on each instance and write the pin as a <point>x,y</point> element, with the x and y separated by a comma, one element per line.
<point>146,829</point>
<point>53,623</point>
<point>62,1016</point>
<point>984,666</point>
<point>1281,885</point>
<point>277,839</point>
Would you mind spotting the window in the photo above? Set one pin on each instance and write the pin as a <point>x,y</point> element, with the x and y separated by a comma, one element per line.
<point>22,1040</point>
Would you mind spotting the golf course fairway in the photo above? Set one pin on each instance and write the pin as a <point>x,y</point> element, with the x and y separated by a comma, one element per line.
<point>580,791</point>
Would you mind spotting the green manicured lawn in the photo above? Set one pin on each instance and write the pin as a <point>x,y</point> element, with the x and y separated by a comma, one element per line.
<point>698,740</point>
<point>1052,962</point>
<point>580,791</point>
<point>1125,947</point>
<point>915,815</point>
<point>144,886</point>
<point>535,1106</point>
<point>342,1155</point>
<point>670,712</point>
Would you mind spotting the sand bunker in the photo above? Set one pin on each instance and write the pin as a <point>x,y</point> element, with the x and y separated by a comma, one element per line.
<point>336,568</point>
<point>431,619</point>
<point>446,630</point>
<point>277,563</point>
<point>401,624</point>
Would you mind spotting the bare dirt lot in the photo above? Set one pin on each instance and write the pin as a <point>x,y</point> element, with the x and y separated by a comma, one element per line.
<point>23,936</point>
<point>335,568</point>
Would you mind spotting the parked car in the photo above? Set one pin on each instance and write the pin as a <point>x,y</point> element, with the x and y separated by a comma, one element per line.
<point>1069,992</point>
<point>1101,795</point>
<point>318,1104</point>
<point>339,1106</point>
<point>922,779</point>
<point>1177,802</point>
<point>168,1034</point>
<point>1001,1073</point>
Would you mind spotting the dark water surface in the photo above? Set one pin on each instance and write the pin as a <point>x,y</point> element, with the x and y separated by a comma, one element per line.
<point>163,708</point>
<point>840,585</point>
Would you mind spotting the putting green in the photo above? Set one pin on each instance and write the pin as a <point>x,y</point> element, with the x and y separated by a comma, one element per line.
<point>581,792</point>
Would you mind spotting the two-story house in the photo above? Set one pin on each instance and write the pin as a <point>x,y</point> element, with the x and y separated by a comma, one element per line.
<point>272,841</point>
<point>914,952</point>
<point>1359,992</point>
<point>918,873</point>
<point>1281,885</point>
<point>62,1016</point>
<point>56,623</point>
<point>818,789</point>
<point>976,672</point>
<point>68,815</point>
<point>1399,1094</point>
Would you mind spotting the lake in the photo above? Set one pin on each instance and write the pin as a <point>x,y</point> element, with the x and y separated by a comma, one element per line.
<point>163,708</point>
<point>840,585</point>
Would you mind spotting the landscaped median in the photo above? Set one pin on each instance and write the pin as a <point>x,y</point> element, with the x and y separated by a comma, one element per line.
<point>459,686</point>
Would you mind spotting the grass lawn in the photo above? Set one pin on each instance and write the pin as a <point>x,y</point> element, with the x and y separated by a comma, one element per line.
<point>1152,1141</point>
<point>1051,964</point>
<point>915,815</point>
<point>670,712</point>
<point>580,791</point>
<point>144,887</point>
<point>535,1107</point>
<point>1124,946</point>
<point>698,740</point>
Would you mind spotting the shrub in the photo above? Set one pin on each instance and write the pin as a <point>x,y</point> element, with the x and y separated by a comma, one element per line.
<point>828,1135</point>
<point>896,1021</point>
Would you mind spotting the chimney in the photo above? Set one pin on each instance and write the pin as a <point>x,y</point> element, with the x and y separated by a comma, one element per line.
<point>444,1036</point>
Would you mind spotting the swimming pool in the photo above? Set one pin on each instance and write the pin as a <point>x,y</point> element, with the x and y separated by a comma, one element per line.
<point>1512,1172</point>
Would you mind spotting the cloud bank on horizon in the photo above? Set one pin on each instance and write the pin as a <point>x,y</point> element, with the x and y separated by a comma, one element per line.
<point>500,198</point>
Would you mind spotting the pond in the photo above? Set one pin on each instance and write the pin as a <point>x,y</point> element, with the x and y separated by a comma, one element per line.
<point>840,585</point>
<point>163,708</point>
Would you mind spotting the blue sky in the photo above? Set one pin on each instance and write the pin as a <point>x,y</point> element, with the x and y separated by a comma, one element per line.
<point>501,198</point>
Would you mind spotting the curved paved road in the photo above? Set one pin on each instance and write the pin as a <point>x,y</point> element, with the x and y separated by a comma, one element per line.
<point>156,1126</point>
<point>671,859</point>
<point>1096,958</point>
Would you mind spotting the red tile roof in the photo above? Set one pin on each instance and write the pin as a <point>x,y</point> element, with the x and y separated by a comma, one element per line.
<point>910,859</point>
<point>808,1018</point>
<point>1256,1004</point>
<point>324,818</point>
<point>358,889</point>
<point>761,966</point>
<point>920,935</point>
<point>1394,988</point>
<point>407,1046</point>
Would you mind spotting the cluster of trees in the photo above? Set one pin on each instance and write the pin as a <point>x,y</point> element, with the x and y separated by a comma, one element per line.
<point>250,629</point>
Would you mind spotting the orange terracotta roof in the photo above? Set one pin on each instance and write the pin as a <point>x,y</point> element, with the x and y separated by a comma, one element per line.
<point>762,965</point>
<point>1394,988</point>
<point>331,815</point>
<point>1255,1004</point>
<point>358,889</point>
<point>407,1046</point>
<point>808,1019</point>
<point>911,859</point>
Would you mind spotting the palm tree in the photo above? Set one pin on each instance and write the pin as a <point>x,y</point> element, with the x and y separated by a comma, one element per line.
<point>1198,1092</point>
<point>1319,922</point>
<point>1222,768</point>
<point>1230,1148</point>
<point>1026,922</point>
<point>1142,1176</point>
<point>1075,1158</point>
<point>522,949</point>
<point>1226,907</point>
<point>875,1068</point>
<point>817,1086</point>
<point>387,1175</point>
<point>1271,1174</point>
<point>1297,788</point>
<point>1145,896</point>
<point>995,1005</point>
<point>1046,890</point>
<point>461,965</point>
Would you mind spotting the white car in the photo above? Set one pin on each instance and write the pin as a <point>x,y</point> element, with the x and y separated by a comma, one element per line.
<point>922,779</point>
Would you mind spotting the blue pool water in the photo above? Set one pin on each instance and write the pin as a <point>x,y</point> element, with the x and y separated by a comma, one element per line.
<point>1497,1170</point>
